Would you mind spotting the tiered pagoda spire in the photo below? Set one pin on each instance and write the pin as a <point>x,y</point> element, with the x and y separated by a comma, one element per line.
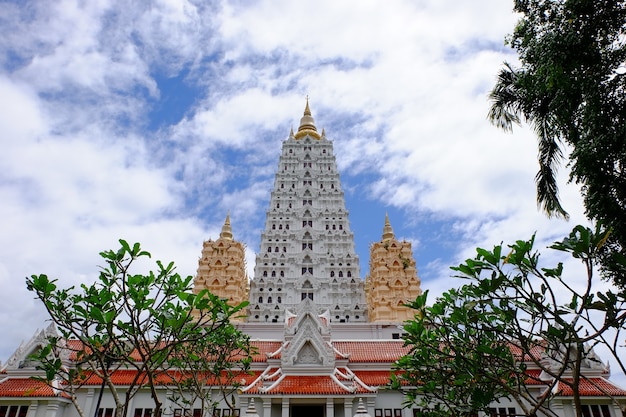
<point>307,249</point>
<point>222,268</point>
<point>392,281</point>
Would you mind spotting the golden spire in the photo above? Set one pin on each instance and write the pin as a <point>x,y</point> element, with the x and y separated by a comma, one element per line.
<point>227,231</point>
<point>307,124</point>
<point>388,231</point>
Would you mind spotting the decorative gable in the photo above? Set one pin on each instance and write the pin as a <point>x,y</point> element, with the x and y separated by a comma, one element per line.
<point>307,337</point>
<point>20,358</point>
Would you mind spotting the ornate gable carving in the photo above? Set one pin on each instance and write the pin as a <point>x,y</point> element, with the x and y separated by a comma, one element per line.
<point>19,359</point>
<point>308,342</point>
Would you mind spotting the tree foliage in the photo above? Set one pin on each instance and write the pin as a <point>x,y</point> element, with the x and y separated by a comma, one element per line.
<point>220,359</point>
<point>475,344</point>
<point>125,321</point>
<point>570,87</point>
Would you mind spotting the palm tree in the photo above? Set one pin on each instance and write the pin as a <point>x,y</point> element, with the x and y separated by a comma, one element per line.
<point>512,104</point>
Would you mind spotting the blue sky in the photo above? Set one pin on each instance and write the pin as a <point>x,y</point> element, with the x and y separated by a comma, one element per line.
<point>150,121</point>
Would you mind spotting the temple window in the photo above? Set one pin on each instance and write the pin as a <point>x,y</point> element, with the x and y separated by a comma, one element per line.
<point>22,411</point>
<point>596,410</point>
<point>143,412</point>
<point>510,411</point>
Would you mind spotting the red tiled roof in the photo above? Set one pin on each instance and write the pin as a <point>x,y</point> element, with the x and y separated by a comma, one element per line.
<point>533,377</point>
<point>263,347</point>
<point>75,346</point>
<point>308,385</point>
<point>592,387</point>
<point>535,353</point>
<point>25,387</point>
<point>260,349</point>
<point>373,351</point>
<point>374,378</point>
<point>126,377</point>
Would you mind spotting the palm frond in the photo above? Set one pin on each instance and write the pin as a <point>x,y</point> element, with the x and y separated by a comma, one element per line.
<point>506,107</point>
<point>549,158</point>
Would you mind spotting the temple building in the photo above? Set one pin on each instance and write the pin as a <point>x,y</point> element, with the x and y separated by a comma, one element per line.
<point>325,339</point>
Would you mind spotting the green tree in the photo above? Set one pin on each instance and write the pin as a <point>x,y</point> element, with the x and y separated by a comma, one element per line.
<point>475,344</point>
<point>124,321</point>
<point>570,87</point>
<point>220,359</point>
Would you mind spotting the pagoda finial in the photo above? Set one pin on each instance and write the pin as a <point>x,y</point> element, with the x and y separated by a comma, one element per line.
<point>361,411</point>
<point>291,132</point>
<point>251,410</point>
<point>307,124</point>
<point>227,231</point>
<point>388,231</point>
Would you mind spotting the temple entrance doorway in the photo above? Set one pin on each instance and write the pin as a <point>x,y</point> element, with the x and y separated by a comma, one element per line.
<point>311,410</point>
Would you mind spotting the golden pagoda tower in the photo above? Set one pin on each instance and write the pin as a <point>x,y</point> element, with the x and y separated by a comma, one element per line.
<point>222,268</point>
<point>392,279</point>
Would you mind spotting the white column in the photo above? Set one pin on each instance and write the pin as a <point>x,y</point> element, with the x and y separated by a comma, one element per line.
<point>32,409</point>
<point>285,407</point>
<point>371,403</point>
<point>330,407</point>
<point>347,406</point>
<point>89,404</point>
<point>267,407</point>
<point>52,409</point>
